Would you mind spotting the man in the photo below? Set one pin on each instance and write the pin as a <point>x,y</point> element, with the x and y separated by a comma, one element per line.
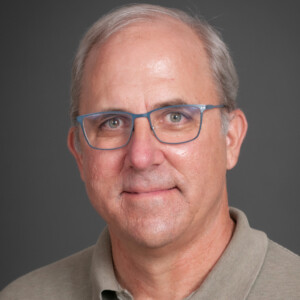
<point>155,130</point>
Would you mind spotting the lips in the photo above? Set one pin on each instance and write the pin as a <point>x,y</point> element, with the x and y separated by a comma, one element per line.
<point>148,190</point>
<point>148,183</point>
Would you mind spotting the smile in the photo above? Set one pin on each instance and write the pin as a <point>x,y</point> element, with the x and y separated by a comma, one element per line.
<point>151,191</point>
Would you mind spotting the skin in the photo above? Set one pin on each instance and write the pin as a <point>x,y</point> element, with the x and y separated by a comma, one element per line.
<point>165,205</point>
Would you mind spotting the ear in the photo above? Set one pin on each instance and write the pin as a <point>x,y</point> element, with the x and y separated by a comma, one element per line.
<point>237,129</point>
<point>74,150</point>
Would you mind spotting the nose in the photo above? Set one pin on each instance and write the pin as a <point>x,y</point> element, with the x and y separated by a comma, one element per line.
<point>144,150</point>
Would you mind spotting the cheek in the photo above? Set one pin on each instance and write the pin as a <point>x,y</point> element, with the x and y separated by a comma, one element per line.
<point>99,165</point>
<point>201,165</point>
<point>101,170</point>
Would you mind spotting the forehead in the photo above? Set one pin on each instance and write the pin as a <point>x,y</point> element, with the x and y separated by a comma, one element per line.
<point>157,34</point>
<point>148,55</point>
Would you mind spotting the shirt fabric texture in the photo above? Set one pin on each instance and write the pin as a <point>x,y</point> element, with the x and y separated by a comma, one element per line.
<point>251,267</point>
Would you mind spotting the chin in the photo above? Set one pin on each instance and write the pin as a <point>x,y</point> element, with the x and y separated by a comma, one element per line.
<point>154,233</point>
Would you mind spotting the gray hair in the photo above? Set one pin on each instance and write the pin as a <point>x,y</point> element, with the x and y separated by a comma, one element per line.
<point>221,64</point>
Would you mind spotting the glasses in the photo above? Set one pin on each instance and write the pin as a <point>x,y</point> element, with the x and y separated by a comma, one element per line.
<point>174,124</point>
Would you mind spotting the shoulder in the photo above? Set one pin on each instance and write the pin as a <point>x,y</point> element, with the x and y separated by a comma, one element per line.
<point>279,277</point>
<point>65,279</point>
<point>282,259</point>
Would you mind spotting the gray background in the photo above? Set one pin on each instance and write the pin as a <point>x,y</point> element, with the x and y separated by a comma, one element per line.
<point>45,214</point>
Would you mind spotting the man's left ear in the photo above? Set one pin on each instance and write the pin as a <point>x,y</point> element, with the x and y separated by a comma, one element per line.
<point>236,133</point>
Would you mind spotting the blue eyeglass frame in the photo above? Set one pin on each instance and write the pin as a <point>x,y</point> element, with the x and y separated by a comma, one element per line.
<point>202,107</point>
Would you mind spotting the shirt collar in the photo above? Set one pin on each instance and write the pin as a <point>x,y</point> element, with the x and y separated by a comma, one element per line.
<point>235,272</point>
<point>231,278</point>
<point>102,270</point>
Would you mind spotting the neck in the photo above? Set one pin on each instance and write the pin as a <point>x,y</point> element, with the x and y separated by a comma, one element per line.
<point>171,272</point>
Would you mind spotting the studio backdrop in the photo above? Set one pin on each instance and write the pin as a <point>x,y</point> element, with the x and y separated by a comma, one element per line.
<point>45,213</point>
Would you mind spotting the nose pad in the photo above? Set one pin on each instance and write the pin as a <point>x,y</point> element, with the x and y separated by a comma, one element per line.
<point>141,117</point>
<point>150,126</point>
<point>142,131</point>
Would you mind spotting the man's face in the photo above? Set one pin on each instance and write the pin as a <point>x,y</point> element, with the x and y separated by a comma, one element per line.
<point>149,192</point>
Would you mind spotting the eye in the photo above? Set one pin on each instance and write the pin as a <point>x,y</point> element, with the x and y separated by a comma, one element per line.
<point>113,123</point>
<point>175,117</point>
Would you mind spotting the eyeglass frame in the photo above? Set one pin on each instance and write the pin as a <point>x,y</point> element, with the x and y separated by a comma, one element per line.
<point>202,107</point>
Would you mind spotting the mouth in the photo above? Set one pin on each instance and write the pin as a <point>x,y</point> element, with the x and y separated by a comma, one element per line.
<point>149,191</point>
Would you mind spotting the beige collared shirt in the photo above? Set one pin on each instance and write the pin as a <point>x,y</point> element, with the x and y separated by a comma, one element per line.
<point>251,267</point>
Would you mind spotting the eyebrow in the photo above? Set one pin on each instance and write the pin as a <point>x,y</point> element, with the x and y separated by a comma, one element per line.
<point>176,101</point>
